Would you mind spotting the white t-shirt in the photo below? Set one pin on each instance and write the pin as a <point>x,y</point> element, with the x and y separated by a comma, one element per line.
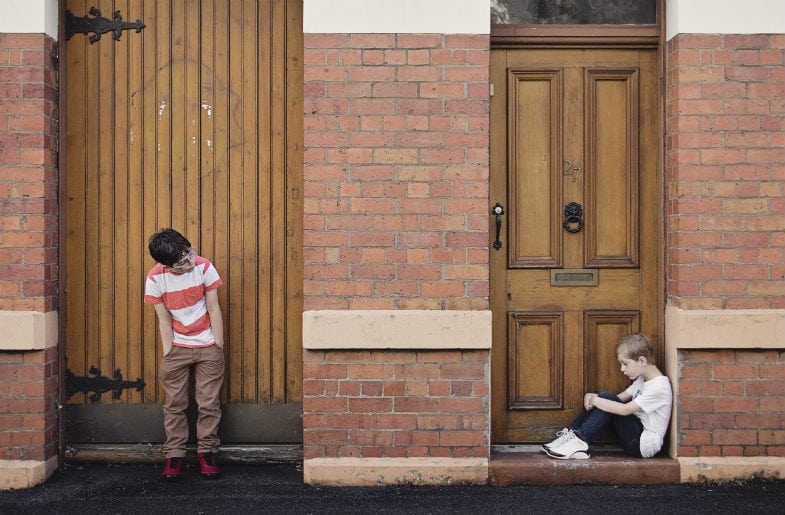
<point>655,398</point>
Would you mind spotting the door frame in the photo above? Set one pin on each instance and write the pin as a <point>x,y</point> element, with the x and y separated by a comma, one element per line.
<point>506,37</point>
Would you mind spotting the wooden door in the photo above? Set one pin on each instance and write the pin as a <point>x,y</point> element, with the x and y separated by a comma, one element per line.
<point>193,122</point>
<point>574,146</point>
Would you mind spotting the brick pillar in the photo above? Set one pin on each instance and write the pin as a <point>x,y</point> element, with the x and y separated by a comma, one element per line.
<point>28,259</point>
<point>732,403</point>
<point>725,179</point>
<point>397,324</point>
<point>396,171</point>
<point>726,171</point>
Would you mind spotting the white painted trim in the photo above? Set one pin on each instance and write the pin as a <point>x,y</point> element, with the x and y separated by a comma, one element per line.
<point>28,17</point>
<point>397,17</point>
<point>724,17</point>
<point>28,330</point>
<point>395,471</point>
<point>725,328</point>
<point>19,474</point>
<point>701,470</point>
<point>396,329</point>
<point>717,329</point>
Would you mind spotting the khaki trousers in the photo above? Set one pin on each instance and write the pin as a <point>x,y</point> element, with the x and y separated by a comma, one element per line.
<point>208,365</point>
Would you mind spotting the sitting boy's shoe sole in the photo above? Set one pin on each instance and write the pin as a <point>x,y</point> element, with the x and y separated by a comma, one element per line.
<point>579,455</point>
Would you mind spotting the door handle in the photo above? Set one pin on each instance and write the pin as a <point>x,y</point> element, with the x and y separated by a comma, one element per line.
<point>573,214</point>
<point>498,210</point>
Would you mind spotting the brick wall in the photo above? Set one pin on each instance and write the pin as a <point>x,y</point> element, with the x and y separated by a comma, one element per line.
<point>396,404</point>
<point>725,171</point>
<point>28,405</point>
<point>396,171</point>
<point>731,403</point>
<point>28,239</point>
<point>28,174</point>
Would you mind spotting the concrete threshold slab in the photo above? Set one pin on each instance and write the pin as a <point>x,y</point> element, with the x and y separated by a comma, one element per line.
<point>152,453</point>
<point>528,465</point>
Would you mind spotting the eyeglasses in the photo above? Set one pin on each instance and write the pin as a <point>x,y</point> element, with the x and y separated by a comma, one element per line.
<point>186,259</point>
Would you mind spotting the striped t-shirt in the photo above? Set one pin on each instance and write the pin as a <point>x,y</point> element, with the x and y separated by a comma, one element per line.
<point>183,294</point>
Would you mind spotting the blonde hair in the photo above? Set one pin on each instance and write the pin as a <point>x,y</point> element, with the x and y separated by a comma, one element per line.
<point>635,345</point>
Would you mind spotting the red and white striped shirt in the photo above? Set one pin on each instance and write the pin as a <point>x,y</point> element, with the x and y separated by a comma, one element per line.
<point>183,294</point>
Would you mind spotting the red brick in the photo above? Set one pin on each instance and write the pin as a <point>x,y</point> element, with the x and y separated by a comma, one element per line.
<point>772,404</point>
<point>370,405</point>
<point>324,436</point>
<point>747,371</point>
<point>348,421</point>
<point>692,437</point>
<point>710,451</point>
<point>325,405</point>
<point>440,422</point>
<point>376,371</point>
<point>758,421</point>
<point>463,438</point>
<point>772,371</point>
<point>325,371</point>
<point>772,437</point>
<point>734,437</point>
<point>400,422</point>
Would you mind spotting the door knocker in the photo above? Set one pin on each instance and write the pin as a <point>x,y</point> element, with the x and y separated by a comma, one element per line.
<point>573,214</point>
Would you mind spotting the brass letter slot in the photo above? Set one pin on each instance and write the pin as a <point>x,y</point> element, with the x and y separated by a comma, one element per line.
<point>575,277</point>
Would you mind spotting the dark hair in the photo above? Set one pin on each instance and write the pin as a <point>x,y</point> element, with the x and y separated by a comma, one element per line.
<point>168,246</point>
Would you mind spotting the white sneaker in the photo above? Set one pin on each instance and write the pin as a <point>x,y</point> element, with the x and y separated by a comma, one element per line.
<point>561,437</point>
<point>573,448</point>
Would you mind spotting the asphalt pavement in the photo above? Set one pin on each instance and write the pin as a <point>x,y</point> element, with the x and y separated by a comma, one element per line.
<point>278,488</point>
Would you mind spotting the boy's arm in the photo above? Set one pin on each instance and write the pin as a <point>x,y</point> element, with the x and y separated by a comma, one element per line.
<point>216,319</point>
<point>165,326</point>
<point>592,400</point>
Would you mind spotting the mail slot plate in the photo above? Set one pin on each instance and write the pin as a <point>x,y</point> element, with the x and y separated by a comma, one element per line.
<point>575,277</point>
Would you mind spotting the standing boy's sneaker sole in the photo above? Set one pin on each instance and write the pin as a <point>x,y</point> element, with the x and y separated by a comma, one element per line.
<point>172,469</point>
<point>208,465</point>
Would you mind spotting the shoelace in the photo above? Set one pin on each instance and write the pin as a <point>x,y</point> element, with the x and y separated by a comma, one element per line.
<point>562,436</point>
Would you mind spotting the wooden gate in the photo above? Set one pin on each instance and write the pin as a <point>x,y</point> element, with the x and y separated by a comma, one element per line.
<point>193,122</point>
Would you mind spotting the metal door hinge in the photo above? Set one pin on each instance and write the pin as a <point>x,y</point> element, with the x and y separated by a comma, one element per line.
<point>98,25</point>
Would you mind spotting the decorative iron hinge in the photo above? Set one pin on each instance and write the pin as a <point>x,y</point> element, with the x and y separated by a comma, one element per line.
<point>99,384</point>
<point>98,25</point>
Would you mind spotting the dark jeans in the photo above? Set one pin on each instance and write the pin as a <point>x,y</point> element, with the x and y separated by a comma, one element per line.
<point>589,424</point>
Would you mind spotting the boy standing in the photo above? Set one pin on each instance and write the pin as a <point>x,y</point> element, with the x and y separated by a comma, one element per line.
<point>639,415</point>
<point>183,287</point>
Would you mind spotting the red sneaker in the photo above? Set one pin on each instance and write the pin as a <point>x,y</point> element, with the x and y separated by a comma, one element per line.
<point>173,468</point>
<point>208,464</point>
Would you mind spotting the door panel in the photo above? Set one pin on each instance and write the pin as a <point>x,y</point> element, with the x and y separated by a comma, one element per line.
<point>612,156</point>
<point>536,343</point>
<point>535,123</point>
<point>579,134</point>
<point>602,330</point>
<point>194,123</point>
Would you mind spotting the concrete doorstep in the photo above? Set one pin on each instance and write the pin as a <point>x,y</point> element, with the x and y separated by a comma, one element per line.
<point>528,465</point>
